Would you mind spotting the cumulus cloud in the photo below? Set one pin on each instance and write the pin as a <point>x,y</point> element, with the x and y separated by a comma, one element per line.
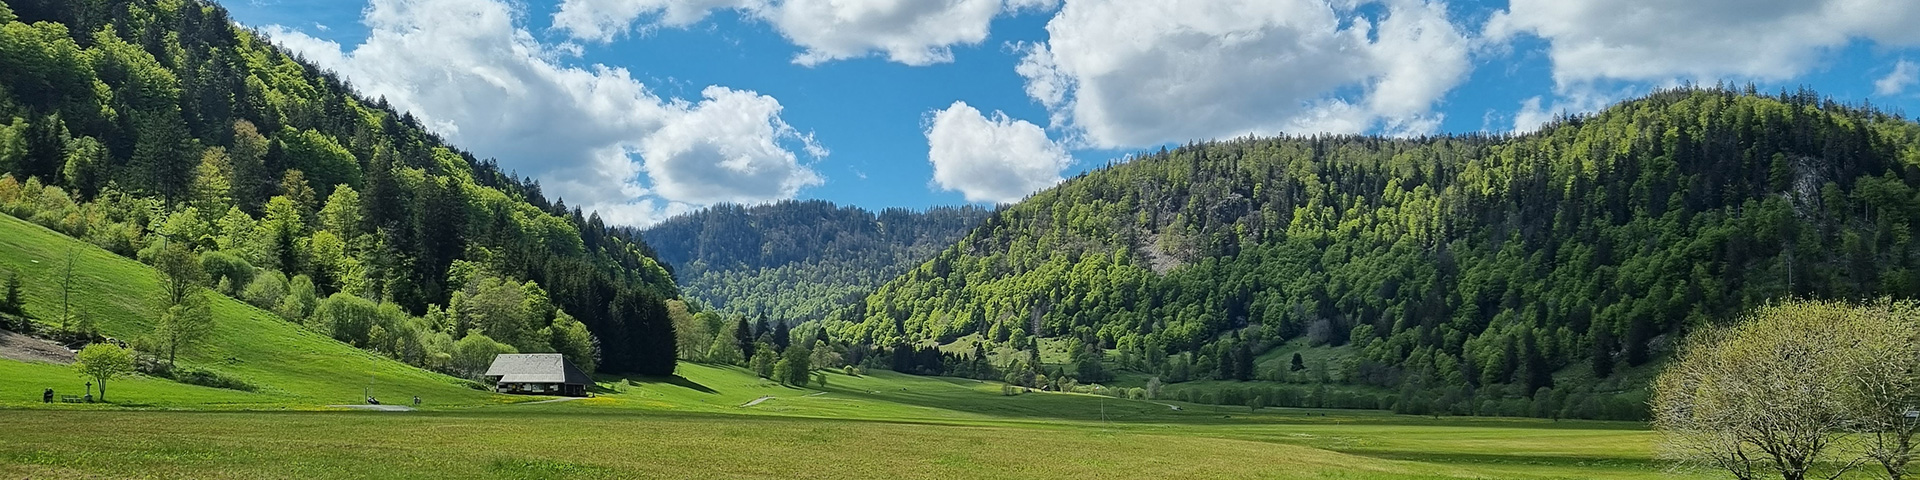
<point>1699,40</point>
<point>1530,117</point>
<point>604,20</point>
<point>991,159</point>
<point>912,32</point>
<point>472,75</point>
<point>1128,73</point>
<point>1905,74</point>
<point>726,149</point>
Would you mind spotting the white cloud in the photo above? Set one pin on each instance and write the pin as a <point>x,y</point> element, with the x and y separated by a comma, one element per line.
<point>1905,74</point>
<point>994,160</point>
<point>472,75</point>
<point>912,32</point>
<point>604,20</point>
<point>1128,73</point>
<point>726,149</point>
<point>1699,40</point>
<point>1530,117</point>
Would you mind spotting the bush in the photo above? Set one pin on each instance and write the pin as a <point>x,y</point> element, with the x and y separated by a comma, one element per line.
<point>226,269</point>
<point>210,378</point>
<point>266,290</point>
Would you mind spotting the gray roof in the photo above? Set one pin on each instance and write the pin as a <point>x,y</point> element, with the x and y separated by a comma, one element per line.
<point>536,368</point>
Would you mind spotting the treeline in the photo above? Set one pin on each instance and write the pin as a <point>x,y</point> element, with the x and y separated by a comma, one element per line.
<point>128,121</point>
<point>796,261</point>
<point>1466,271</point>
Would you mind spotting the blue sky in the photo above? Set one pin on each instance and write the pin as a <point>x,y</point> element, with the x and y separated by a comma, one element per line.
<point>646,108</point>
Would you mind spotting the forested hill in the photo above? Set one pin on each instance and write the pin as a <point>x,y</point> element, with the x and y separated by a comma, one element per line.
<point>798,260</point>
<point>124,122</point>
<point>1461,272</point>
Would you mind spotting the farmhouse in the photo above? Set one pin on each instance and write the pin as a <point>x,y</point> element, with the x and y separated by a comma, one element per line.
<point>537,374</point>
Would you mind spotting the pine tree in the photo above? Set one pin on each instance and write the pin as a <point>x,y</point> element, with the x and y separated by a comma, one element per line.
<point>12,303</point>
<point>1601,358</point>
<point>782,336</point>
<point>743,338</point>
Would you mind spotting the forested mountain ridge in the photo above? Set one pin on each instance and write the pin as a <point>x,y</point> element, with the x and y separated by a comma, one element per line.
<point>128,122</point>
<point>1467,272</point>
<point>795,261</point>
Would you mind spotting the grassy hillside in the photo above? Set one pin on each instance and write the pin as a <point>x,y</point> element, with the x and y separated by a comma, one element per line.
<point>291,365</point>
<point>1461,273</point>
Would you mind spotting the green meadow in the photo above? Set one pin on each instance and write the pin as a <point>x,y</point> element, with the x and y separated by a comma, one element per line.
<point>719,422</point>
<point>881,425</point>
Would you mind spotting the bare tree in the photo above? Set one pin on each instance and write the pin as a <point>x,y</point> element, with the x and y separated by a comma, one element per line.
<point>1885,390</point>
<point>1772,395</point>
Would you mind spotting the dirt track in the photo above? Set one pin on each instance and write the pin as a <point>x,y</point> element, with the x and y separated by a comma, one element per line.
<point>14,346</point>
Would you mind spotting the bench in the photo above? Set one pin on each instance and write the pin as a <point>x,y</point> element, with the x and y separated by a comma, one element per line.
<point>72,399</point>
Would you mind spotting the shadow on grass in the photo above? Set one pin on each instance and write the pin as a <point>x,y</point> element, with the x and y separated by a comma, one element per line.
<point>685,383</point>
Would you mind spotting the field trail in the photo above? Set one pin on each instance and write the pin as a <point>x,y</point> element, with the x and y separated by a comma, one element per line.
<point>757,401</point>
<point>14,346</point>
<point>553,400</point>
<point>377,408</point>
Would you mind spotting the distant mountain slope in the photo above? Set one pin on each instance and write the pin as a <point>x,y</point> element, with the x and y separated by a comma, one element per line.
<point>1469,272</point>
<point>799,260</point>
<point>162,116</point>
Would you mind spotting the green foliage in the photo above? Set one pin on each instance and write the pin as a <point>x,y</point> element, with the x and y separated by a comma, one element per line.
<point>10,301</point>
<point>326,163</point>
<point>266,290</point>
<point>113,296</point>
<point>113,115</point>
<point>498,309</point>
<point>184,325</point>
<point>180,273</point>
<point>101,362</point>
<point>724,350</point>
<point>571,338</point>
<point>1778,391</point>
<point>226,269</point>
<point>300,301</point>
<point>474,353</point>
<point>795,366</point>
<point>799,260</point>
<point>346,318</point>
<point>1448,265</point>
<point>765,359</point>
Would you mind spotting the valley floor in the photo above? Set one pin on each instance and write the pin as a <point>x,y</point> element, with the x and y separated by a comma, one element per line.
<point>882,425</point>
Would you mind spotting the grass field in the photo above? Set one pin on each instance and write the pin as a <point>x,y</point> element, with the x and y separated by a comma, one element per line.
<point>880,425</point>
<point>708,422</point>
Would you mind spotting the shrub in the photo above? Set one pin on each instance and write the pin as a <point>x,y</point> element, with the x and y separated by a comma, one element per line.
<point>210,378</point>
<point>224,268</point>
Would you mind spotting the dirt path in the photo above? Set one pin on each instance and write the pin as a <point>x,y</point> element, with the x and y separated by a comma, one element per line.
<point>14,346</point>
<point>556,400</point>
<point>377,408</point>
<point>757,401</point>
